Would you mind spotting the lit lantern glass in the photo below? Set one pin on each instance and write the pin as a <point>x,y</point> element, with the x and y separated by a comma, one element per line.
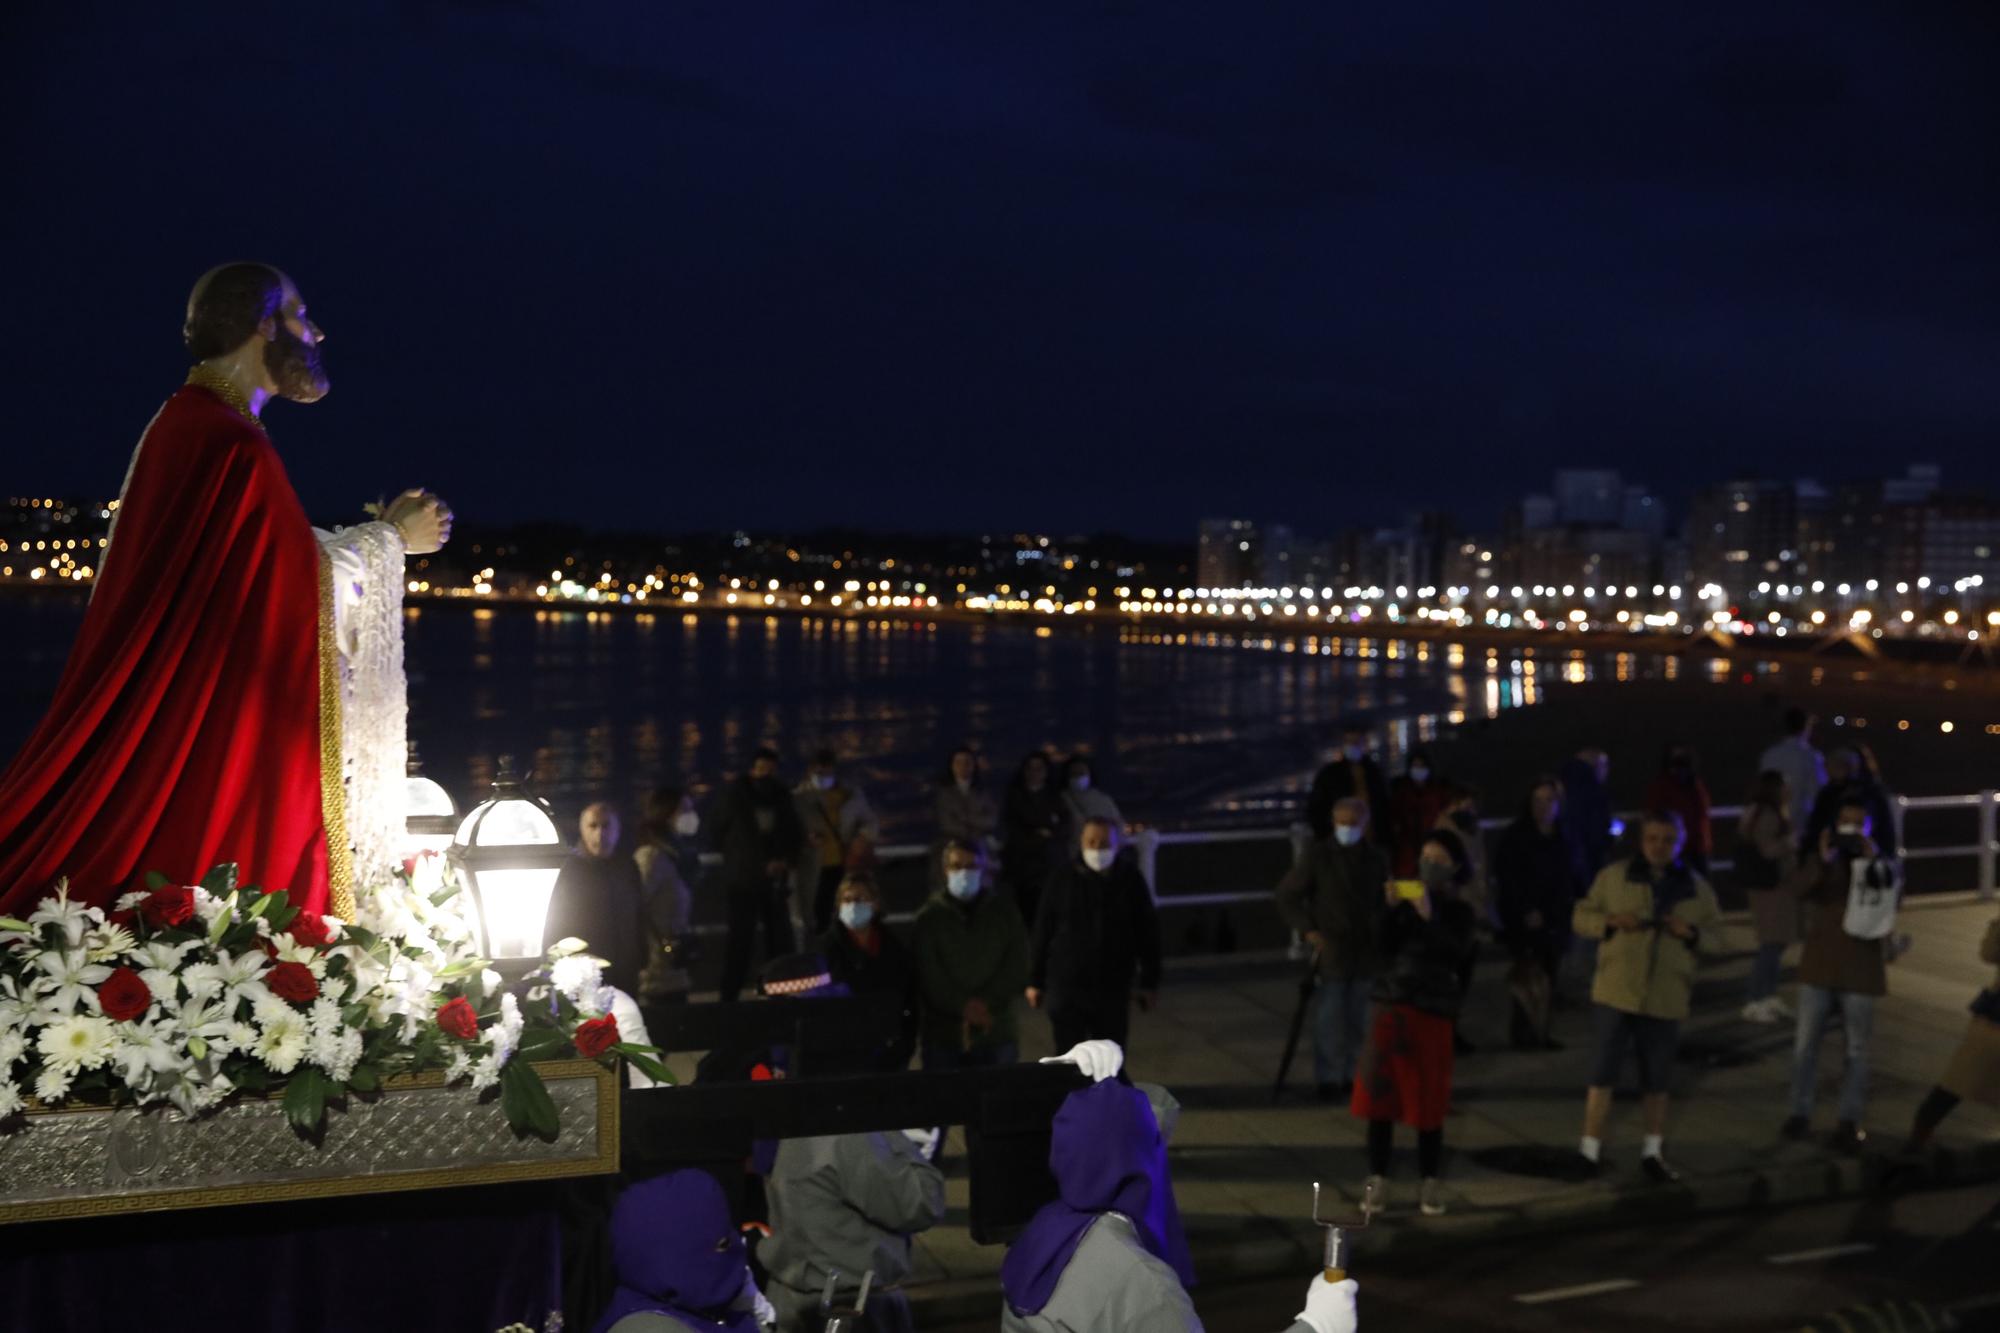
<point>508,853</point>
<point>430,816</point>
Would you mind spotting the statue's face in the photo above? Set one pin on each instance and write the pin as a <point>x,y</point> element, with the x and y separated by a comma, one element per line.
<point>292,356</point>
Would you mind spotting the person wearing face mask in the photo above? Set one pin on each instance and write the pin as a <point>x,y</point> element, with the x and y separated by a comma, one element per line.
<point>1035,824</point>
<point>1333,896</point>
<point>1084,800</point>
<point>961,809</point>
<point>1415,803</point>
<point>864,955</point>
<point>1839,970</point>
<point>1405,1072</point>
<point>972,965</point>
<point>1852,774</point>
<point>1096,930</point>
<point>1352,772</point>
<point>756,828</point>
<point>840,833</point>
<point>1651,914</point>
<point>1534,890</point>
<point>1679,788</point>
<point>669,862</point>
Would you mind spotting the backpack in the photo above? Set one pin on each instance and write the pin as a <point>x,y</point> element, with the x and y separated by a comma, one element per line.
<point>1874,886</point>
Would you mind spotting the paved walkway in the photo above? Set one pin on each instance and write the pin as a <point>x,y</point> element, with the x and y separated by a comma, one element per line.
<point>1243,1168</point>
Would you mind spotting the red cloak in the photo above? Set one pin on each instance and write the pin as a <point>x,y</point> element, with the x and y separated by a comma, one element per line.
<point>186,729</point>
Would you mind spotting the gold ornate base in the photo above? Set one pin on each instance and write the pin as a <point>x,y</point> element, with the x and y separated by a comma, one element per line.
<point>418,1134</point>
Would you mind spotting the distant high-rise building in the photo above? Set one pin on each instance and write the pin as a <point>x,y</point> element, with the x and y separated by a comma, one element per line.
<point>1230,553</point>
<point>1744,532</point>
<point>1589,497</point>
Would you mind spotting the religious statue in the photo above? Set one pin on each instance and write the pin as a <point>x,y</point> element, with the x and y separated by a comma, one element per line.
<point>236,691</point>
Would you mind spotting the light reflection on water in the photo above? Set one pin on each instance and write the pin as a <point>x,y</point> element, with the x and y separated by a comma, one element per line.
<point>1189,727</point>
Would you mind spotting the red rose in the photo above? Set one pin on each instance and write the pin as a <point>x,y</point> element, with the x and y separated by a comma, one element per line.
<point>124,996</point>
<point>310,928</point>
<point>595,1037</point>
<point>292,981</point>
<point>459,1020</point>
<point>171,905</point>
<point>126,920</point>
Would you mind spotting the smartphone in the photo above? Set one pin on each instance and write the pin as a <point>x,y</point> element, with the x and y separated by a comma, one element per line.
<point>1410,890</point>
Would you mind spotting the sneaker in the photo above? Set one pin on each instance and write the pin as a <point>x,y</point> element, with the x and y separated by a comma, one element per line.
<point>1374,1196</point>
<point>1759,1011</point>
<point>1658,1171</point>
<point>1796,1127</point>
<point>1430,1198</point>
<point>1779,1008</point>
<point>1847,1138</point>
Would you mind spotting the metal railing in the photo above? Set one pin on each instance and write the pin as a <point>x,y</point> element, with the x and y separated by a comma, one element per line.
<point>1147,844</point>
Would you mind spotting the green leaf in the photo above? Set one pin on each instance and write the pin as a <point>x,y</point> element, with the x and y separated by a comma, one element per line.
<point>221,879</point>
<point>155,881</point>
<point>540,1043</point>
<point>364,1079</point>
<point>525,1100</point>
<point>260,905</point>
<point>460,968</point>
<point>305,1099</point>
<point>12,923</point>
<point>278,902</point>
<point>641,1059</point>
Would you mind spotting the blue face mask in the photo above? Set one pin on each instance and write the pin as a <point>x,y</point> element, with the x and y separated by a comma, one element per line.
<point>1347,834</point>
<point>963,884</point>
<point>856,916</point>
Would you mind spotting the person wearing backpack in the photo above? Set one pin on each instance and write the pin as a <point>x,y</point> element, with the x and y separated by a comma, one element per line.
<point>1851,893</point>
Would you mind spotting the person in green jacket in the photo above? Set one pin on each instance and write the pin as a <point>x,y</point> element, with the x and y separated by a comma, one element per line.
<point>972,965</point>
<point>1651,913</point>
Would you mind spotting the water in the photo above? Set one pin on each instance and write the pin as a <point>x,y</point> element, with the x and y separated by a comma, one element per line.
<point>1197,729</point>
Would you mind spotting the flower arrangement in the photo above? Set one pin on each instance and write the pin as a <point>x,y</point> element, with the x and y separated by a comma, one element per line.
<point>190,994</point>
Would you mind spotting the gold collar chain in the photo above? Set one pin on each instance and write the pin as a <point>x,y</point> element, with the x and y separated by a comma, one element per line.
<point>222,387</point>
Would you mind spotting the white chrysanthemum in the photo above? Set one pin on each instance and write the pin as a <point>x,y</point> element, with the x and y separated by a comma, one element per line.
<point>238,1037</point>
<point>10,1098</point>
<point>267,1009</point>
<point>195,1097</point>
<point>107,942</point>
<point>458,1066</point>
<point>12,1047</point>
<point>81,1041</point>
<point>485,1073</point>
<point>208,907</point>
<point>505,1036</point>
<point>336,1051</point>
<point>291,951</point>
<point>324,1015</point>
<point>282,1043</point>
<point>127,901</point>
<point>52,1085</point>
<point>578,976</point>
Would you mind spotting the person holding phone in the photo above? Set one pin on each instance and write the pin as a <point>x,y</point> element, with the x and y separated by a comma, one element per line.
<point>1424,939</point>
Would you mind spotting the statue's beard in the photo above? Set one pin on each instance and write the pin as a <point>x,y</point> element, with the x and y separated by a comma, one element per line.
<point>294,366</point>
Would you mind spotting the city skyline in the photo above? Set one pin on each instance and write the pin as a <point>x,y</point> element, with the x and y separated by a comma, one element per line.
<point>1077,271</point>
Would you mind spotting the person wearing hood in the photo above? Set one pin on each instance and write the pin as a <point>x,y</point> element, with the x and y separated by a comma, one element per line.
<point>972,965</point>
<point>1405,1073</point>
<point>1416,800</point>
<point>1534,892</point>
<point>1333,897</point>
<point>844,1202</point>
<point>1034,822</point>
<point>756,828</point>
<point>1108,1255</point>
<point>679,1261</point>
<point>1652,914</point>
<point>1096,930</point>
<point>1084,800</point>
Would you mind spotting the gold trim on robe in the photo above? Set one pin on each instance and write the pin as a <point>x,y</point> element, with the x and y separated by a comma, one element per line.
<point>332,771</point>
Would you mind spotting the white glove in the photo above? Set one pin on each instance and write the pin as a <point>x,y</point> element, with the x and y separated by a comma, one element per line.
<point>926,1141</point>
<point>1099,1059</point>
<point>1330,1306</point>
<point>752,1299</point>
<point>631,1028</point>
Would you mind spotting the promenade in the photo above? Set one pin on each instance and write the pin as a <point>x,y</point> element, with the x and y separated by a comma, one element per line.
<point>1243,1167</point>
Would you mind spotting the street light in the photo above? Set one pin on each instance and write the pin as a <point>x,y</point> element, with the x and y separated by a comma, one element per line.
<point>430,815</point>
<point>508,853</point>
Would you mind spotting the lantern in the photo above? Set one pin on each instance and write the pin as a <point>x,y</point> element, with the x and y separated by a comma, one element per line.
<point>430,815</point>
<point>508,853</point>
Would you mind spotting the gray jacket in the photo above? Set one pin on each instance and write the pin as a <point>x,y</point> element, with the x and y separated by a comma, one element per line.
<point>1112,1284</point>
<point>848,1201</point>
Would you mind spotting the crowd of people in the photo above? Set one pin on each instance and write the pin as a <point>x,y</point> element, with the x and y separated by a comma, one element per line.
<point>1035,900</point>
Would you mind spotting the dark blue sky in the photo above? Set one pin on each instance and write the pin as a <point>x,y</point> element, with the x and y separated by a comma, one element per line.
<point>1052,266</point>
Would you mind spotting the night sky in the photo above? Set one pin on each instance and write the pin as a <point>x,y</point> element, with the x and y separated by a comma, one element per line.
<point>1062,266</point>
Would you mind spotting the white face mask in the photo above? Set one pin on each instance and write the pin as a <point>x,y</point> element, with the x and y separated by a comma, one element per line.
<point>1347,834</point>
<point>1099,858</point>
<point>856,916</point>
<point>962,884</point>
<point>824,781</point>
<point>1354,752</point>
<point>1851,830</point>
<point>1081,782</point>
<point>1420,774</point>
<point>687,823</point>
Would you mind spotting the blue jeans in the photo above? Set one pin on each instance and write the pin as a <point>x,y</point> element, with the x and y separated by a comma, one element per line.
<point>1764,969</point>
<point>1857,1013</point>
<point>1340,1025</point>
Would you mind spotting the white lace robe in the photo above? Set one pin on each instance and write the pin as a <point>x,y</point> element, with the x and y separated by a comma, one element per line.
<point>367,562</point>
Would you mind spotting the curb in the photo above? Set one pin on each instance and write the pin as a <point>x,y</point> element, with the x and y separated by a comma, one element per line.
<point>1254,1247</point>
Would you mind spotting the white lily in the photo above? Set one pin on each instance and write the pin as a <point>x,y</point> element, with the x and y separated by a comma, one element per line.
<point>69,980</point>
<point>145,1050</point>
<point>74,917</point>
